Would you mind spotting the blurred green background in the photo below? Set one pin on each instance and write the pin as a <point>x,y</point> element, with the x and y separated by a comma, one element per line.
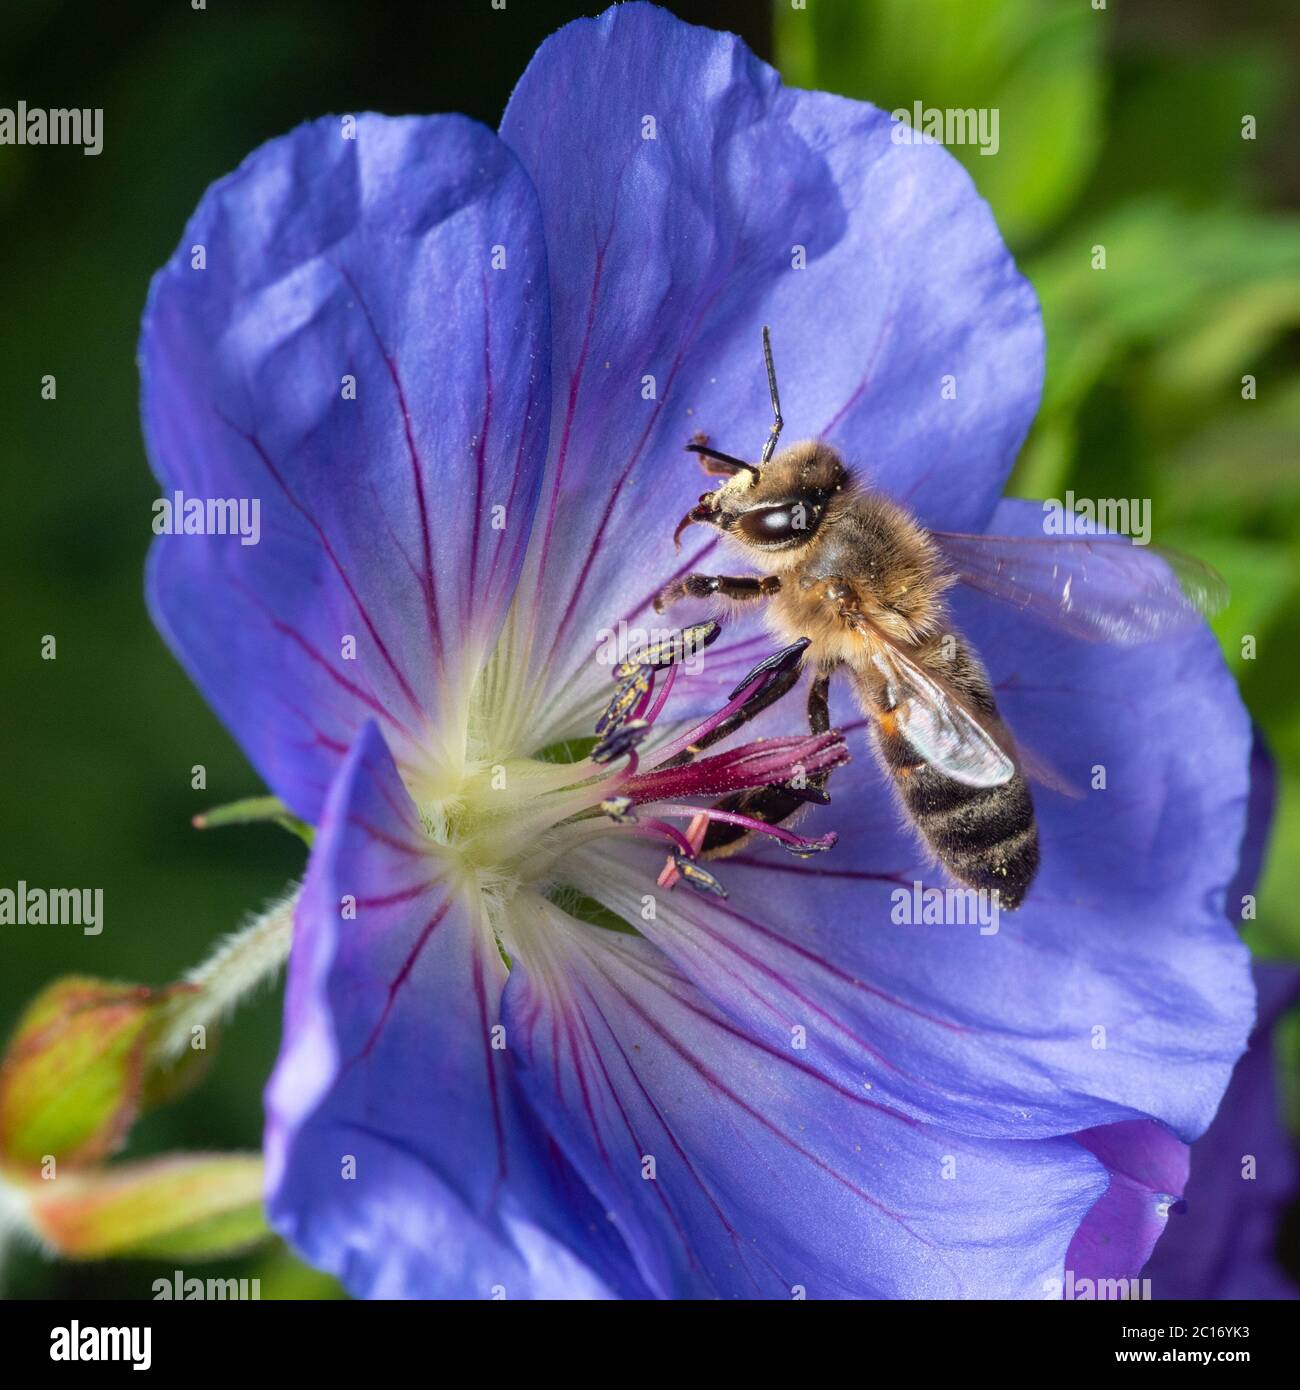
<point>1120,126</point>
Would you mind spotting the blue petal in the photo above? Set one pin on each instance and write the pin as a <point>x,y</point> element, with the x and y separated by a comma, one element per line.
<point>399,1157</point>
<point>735,1170</point>
<point>703,183</point>
<point>369,258</point>
<point>1260,806</point>
<point>1228,1242</point>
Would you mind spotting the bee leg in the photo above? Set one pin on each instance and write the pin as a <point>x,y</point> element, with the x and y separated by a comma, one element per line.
<point>704,585</point>
<point>819,707</point>
<point>819,722</point>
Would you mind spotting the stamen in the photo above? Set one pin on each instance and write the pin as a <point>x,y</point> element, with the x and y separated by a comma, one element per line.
<point>797,844</point>
<point>663,830</point>
<point>664,692</point>
<point>644,702</point>
<point>699,879</point>
<point>749,689</point>
<point>774,665</point>
<point>676,647</point>
<point>797,766</point>
<point>765,763</point>
<point>620,741</point>
<point>636,675</point>
<point>695,833</point>
<point>634,691</point>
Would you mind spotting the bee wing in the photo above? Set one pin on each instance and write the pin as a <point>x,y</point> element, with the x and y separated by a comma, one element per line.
<point>1103,588</point>
<point>1037,769</point>
<point>937,724</point>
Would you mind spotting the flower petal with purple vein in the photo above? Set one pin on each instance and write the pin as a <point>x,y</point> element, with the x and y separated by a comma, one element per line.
<point>399,1155</point>
<point>997,1034</point>
<point>366,257</point>
<point>736,1170</point>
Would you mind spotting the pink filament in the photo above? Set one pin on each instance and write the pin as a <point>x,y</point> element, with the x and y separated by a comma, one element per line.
<point>749,822</point>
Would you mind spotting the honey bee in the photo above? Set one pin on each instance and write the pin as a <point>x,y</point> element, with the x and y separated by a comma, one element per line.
<point>857,587</point>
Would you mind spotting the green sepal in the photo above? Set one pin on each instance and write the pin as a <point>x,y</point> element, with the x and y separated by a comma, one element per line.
<point>195,1206</point>
<point>73,1077</point>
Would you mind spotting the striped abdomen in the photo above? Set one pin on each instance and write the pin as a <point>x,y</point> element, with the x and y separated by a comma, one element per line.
<point>986,837</point>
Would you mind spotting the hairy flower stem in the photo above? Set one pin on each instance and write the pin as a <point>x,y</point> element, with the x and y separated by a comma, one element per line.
<point>240,963</point>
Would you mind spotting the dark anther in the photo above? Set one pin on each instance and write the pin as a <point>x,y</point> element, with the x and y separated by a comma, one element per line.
<point>784,660</point>
<point>620,741</point>
<point>699,879</point>
<point>635,687</point>
<point>619,809</point>
<point>674,648</point>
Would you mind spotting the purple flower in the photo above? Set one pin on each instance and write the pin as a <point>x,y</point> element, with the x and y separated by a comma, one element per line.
<point>458,369</point>
<point>1221,1241</point>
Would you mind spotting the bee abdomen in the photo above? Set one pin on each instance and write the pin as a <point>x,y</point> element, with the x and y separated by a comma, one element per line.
<point>986,837</point>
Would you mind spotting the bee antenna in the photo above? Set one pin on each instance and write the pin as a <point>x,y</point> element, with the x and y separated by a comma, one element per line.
<point>770,447</point>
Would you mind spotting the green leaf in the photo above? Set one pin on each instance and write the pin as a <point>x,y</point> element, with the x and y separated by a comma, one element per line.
<point>1148,323</point>
<point>1276,931</point>
<point>587,909</point>
<point>1253,445</point>
<point>1201,156</point>
<point>569,750</point>
<point>1168,270</point>
<point>284,1276</point>
<point>1212,354</point>
<point>1037,63</point>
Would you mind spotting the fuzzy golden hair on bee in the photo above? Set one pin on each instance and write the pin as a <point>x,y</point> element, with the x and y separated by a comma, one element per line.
<point>808,468</point>
<point>902,576</point>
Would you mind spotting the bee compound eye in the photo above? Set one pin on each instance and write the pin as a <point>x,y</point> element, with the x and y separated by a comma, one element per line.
<point>783,522</point>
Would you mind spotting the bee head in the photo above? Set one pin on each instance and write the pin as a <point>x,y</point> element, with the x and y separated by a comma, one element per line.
<point>779,506</point>
<point>778,503</point>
